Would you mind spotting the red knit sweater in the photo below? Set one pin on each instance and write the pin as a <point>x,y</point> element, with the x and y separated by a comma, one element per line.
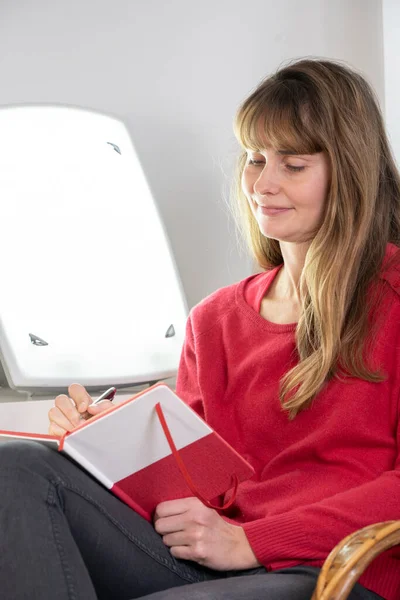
<point>333,469</point>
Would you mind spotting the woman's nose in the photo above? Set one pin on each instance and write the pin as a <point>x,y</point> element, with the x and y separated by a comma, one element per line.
<point>267,182</point>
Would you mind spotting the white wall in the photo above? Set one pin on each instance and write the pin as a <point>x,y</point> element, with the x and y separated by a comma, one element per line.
<point>391,31</point>
<point>175,73</point>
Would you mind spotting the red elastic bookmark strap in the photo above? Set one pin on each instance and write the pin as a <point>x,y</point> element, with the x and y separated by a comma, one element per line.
<point>184,470</point>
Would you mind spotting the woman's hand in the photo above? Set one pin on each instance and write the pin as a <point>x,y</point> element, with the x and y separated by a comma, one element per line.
<point>195,532</point>
<point>69,411</point>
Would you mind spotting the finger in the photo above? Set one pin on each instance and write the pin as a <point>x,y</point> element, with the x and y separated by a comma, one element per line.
<point>80,396</point>
<point>95,409</point>
<point>179,538</point>
<point>184,553</point>
<point>166,525</point>
<point>56,430</point>
<point>174,507</point>
<point>65,407</point>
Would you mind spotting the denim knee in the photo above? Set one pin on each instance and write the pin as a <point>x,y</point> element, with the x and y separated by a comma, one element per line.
<point>13,449</point>
<point>17,454</point>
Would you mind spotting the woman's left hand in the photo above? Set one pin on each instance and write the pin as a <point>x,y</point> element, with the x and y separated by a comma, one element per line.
<point>195,532</point>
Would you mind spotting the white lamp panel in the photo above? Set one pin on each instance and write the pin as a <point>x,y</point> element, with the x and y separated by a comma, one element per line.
<point>86,265</point>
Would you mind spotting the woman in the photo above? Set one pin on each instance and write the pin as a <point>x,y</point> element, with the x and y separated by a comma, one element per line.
<point>296,367</point>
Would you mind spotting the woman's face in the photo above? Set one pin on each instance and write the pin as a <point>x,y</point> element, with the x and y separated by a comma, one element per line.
<point>286,192</point>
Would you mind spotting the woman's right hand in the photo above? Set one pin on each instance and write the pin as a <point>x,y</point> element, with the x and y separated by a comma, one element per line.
<point>69,411</point>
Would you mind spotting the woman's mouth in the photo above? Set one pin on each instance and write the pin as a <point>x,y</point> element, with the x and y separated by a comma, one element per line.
<point>270,211</point>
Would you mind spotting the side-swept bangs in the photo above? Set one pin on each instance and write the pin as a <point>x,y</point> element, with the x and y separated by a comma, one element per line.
<point>280,116</point>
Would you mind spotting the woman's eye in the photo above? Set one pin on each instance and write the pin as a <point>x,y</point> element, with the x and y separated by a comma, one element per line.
<point>295,169</point>
<point>253,161</point>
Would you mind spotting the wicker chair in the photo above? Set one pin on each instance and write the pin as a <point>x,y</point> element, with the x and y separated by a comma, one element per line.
<point>349,559</point>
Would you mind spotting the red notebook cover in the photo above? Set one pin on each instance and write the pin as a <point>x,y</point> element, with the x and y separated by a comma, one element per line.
<point>153,448</point>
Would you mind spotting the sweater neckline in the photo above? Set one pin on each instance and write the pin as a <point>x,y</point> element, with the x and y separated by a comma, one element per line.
<point>254,315</point>
<point>266,325</point>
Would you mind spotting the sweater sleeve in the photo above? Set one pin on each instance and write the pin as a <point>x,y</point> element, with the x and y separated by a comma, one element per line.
<point>314,530</point>
<point>187,386</point>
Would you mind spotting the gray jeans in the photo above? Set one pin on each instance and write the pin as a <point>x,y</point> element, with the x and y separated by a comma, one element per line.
<point>63,536</point>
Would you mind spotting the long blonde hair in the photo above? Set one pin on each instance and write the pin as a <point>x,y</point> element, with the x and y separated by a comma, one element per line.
<point>311,106</point>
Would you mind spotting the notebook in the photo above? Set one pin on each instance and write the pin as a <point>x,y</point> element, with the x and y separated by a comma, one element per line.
<point>151,448</point>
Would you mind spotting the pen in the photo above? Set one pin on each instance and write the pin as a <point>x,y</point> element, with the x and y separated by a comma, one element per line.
<point>107,395</point>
